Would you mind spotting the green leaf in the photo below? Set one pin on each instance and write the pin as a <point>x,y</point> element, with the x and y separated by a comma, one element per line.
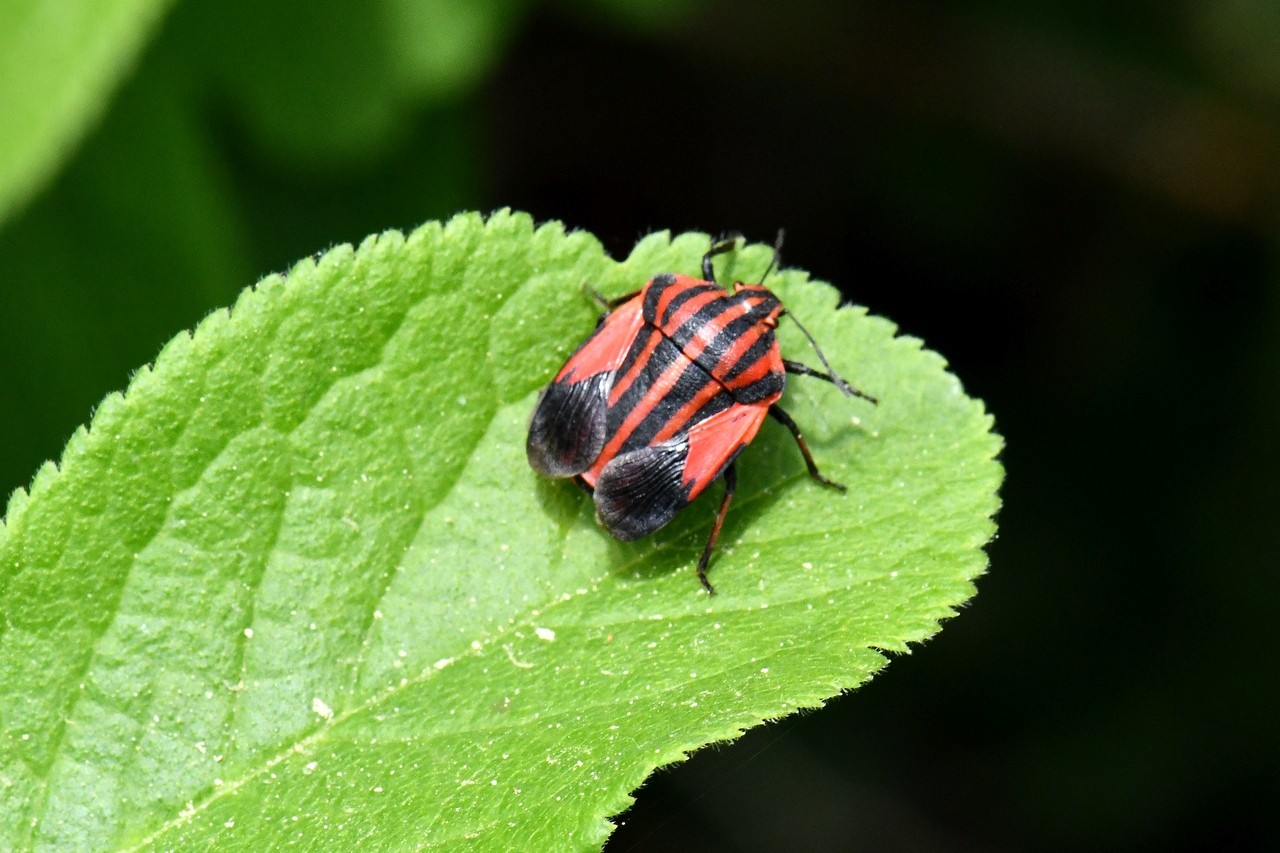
<point>329,87</point>
<point>139,236</point>
<point>298,584</point>
<point>59,63</point>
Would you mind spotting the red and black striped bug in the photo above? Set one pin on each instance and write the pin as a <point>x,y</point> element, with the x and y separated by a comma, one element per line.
<point>659,401</point>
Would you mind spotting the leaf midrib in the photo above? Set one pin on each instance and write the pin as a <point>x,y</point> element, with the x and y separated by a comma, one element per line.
<point>817,638</point>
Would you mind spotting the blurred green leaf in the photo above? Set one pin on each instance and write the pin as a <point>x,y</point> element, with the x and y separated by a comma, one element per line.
<point>326,85</point>
<point>139,235</point>
<point>297,584</point>
<point>59,63</point>
<point>442,47</point>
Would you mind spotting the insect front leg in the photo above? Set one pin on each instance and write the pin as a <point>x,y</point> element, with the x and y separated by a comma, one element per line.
<point>730,485</point>
<point>783,418</point>
<point>726,244</point>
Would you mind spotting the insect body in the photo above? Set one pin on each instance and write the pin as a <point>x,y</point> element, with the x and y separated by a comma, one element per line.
<point>659,401</point>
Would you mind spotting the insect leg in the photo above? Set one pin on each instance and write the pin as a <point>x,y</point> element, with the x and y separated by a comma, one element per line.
<point>783,418</point>
<point>725,244</point>
<point>805,370</point>
<point>604,303</point>
<point>730,484</point>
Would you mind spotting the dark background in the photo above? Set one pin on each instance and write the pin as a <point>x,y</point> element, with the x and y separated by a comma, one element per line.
<point>1075,203</point>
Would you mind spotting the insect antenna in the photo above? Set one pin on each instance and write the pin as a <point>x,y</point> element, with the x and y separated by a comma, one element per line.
<point>777,255</point>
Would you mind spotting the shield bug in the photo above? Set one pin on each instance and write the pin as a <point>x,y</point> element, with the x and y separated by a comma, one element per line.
<point>662,397</point>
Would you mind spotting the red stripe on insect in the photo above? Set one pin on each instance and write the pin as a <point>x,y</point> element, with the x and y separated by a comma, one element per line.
<point>604,350</point>
<point>689,308</point>
<point>758,370</point>
<point>735,351</point>
<point>622,383</point>
<point>680,419</point>
<point>708,332</point>
<point>717,439</point>
<point>660,388</point>
<point>679,284</point>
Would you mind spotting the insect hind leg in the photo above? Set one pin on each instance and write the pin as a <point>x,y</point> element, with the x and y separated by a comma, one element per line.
<point>730,485</point>
<point>780,415</point>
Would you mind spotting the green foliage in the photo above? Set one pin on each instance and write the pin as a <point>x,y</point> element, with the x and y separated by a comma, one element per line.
<point>58,63</point>
<point>297,584</point>
<point>159,215</point>
<point>330,86</point>
<point>139,237</point>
